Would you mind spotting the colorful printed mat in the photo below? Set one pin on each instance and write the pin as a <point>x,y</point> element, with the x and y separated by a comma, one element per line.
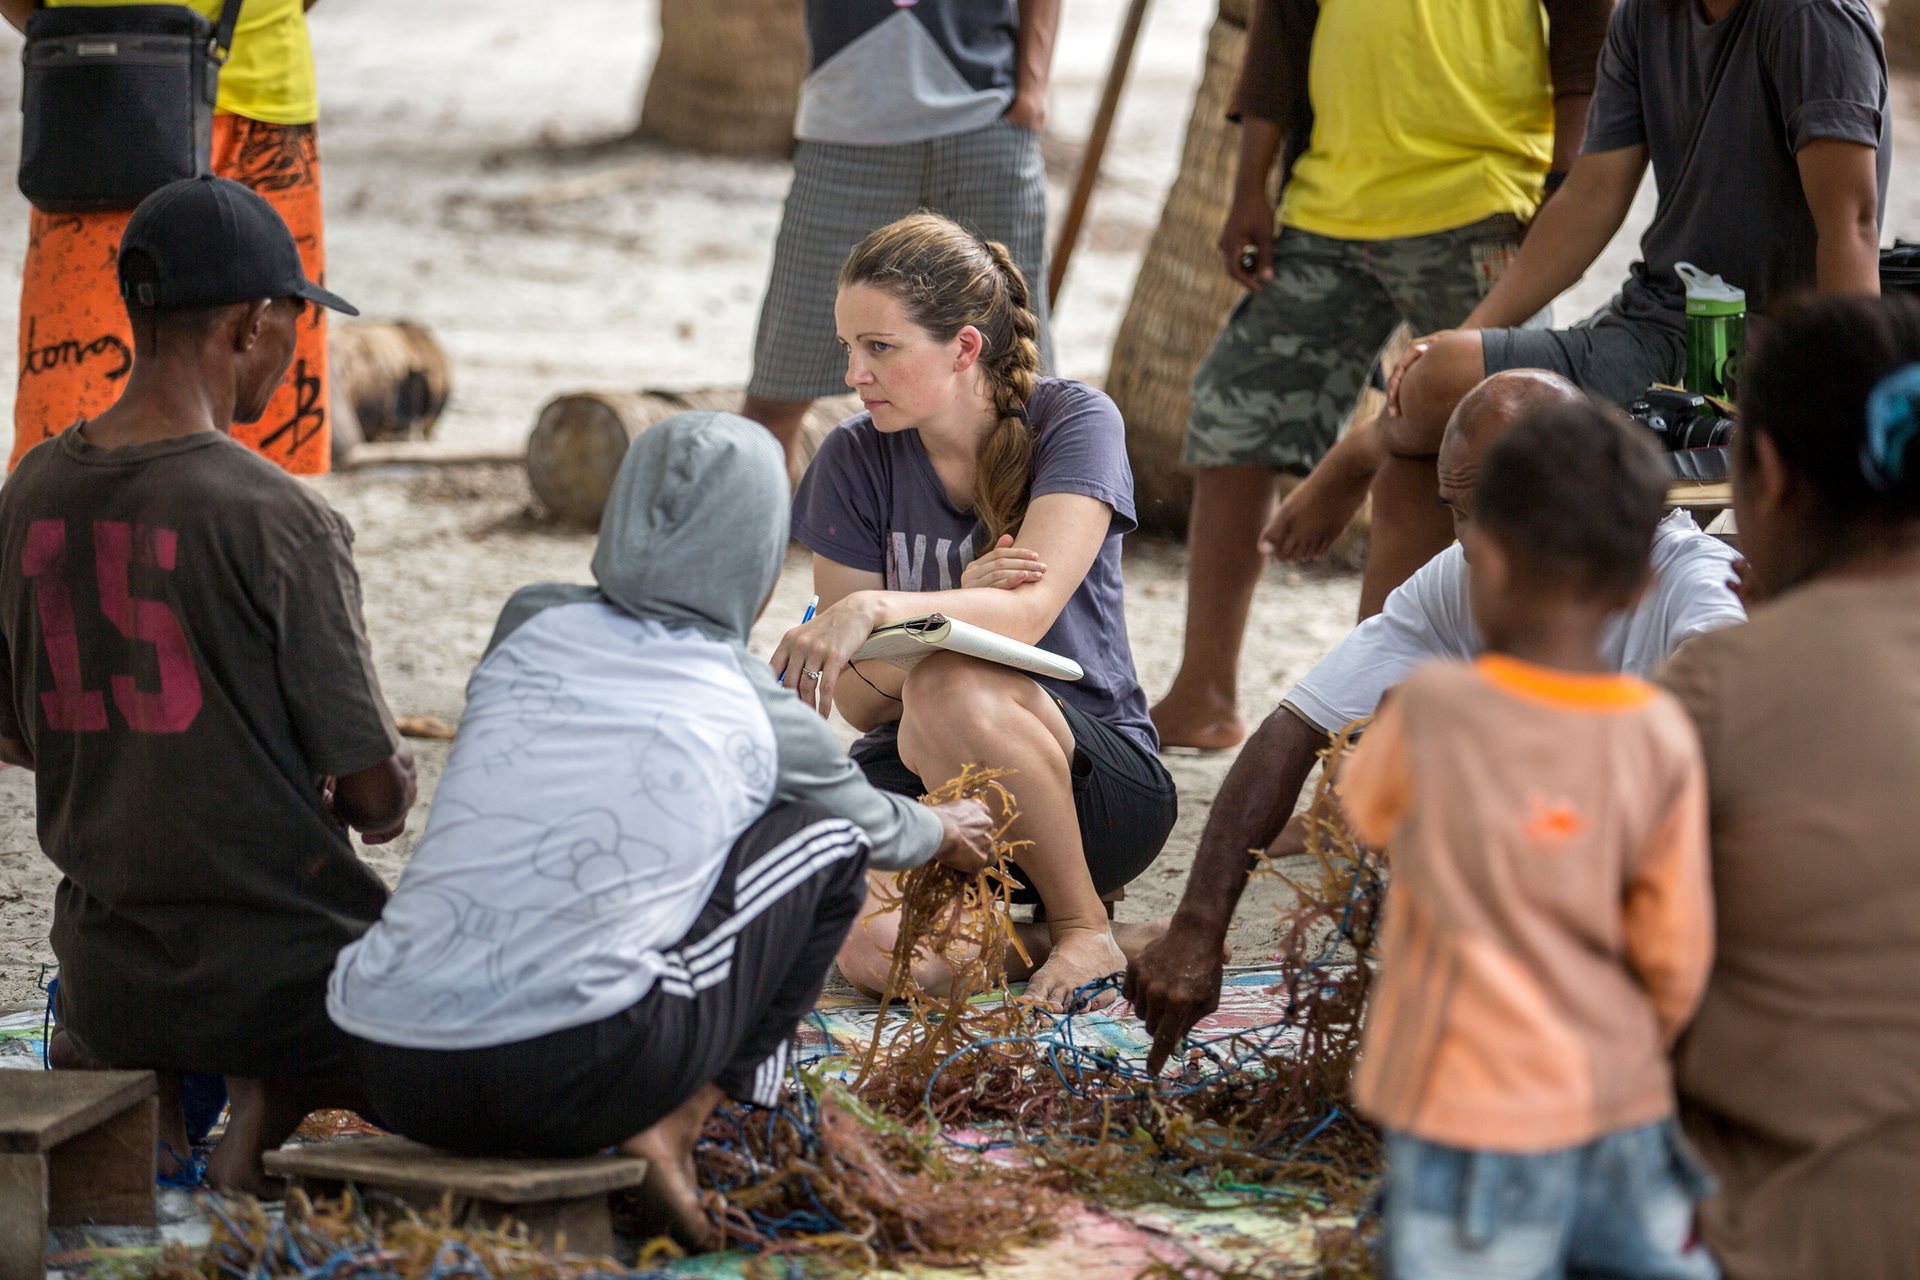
<point>842,1022</point>
<point>23,1038</point>
<point>1095,1242</point>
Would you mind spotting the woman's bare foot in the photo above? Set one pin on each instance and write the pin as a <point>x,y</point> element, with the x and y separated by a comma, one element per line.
<point>1198,715</point>
<point>1074,958</point>
<point>1312,517</point>
<point>670,1195</point>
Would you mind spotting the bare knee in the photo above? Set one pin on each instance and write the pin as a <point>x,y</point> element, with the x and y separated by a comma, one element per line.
<point>947,698</point>
<point>958,710</point>
<point>866,958</point>
<point>1453,366</point>
<point>867,955</point>
<point>948,679</point>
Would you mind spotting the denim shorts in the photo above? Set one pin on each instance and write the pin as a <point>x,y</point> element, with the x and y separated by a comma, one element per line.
<point>1619,1206</point>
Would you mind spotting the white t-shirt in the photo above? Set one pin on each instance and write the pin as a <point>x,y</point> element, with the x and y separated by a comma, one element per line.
<point>1429,616</point>
<point>604,768</point>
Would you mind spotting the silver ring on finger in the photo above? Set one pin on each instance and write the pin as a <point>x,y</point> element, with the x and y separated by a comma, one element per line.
<point>811,675</point>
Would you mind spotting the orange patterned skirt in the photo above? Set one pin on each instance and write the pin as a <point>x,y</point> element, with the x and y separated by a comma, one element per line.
<point>75,343</point>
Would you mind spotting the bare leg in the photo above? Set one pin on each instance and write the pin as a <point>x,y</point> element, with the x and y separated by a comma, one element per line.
<point>782,417</point>
<point>1410,527</point>
<point>1223,568</point>
<point>64,1055</point>
<point>261,1115</point>
<point>1312,518</point>
<point>866,957</point>
<point>175,1151</point>
<point>959,711</point>
<point>671,1192</point>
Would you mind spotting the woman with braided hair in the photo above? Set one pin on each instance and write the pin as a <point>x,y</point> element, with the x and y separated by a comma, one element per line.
<point>974,488</point>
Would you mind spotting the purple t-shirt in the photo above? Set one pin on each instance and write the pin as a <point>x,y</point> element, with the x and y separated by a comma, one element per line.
<point>870,500</point>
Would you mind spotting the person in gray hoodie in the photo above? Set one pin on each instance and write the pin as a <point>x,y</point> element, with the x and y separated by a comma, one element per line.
<point>643,854</point>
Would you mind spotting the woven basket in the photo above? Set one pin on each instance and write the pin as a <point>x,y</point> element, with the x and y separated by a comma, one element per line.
<point>728,76</point>
<point>1181,295</point>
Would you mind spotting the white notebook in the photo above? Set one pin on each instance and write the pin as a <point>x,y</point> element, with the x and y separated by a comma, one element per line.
<point>903,644</point>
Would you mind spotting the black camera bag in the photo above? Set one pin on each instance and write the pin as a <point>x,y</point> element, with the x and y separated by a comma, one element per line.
<point>117,101</point>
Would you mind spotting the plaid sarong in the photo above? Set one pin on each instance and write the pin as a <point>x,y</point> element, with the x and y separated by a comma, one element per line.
<point>992,181</point>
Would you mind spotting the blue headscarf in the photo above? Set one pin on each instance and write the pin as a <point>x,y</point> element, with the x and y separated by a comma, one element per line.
<point>1893,420</point>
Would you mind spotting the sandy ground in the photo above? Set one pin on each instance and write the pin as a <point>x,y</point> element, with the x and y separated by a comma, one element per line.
<point>476,182</point>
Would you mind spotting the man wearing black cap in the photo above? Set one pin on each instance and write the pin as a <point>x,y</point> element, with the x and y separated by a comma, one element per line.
<point>186,669</point>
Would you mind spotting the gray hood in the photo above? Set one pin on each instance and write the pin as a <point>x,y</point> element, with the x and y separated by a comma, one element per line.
<point>695,529</point>
<point>694,534</point>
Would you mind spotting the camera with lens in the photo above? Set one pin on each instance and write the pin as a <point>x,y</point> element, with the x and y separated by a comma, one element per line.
<point>1693,430</point>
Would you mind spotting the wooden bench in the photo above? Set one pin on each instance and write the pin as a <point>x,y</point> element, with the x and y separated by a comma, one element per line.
<point>554,1198</point>
<point>1701,494</point>
<point>76,1147</point>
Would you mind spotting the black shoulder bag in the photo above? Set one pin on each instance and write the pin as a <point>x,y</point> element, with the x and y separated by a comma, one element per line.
<point>118,102</point>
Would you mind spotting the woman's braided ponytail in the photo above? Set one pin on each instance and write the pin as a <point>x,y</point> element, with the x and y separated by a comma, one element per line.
<point>1004,471</point>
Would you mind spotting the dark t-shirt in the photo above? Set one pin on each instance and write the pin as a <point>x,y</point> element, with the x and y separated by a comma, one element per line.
<point>871,500</point>
<point>1795,70</point>
<point>184,655</point>
<point>886,72</point>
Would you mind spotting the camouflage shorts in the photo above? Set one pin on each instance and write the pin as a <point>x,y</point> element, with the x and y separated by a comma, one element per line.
<point>1292,359</point>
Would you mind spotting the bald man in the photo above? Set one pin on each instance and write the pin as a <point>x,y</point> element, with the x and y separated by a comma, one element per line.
<point>1176,981</point>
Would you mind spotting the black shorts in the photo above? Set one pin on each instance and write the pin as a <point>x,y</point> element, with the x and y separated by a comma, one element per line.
<point>1608,355</point>
<point>1124,796</point>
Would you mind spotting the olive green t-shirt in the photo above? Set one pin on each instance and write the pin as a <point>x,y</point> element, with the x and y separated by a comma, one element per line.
<point>184,656</point>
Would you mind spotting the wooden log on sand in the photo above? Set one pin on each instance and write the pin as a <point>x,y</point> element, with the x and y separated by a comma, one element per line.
<point>579,439</point>
<point>391,379</point>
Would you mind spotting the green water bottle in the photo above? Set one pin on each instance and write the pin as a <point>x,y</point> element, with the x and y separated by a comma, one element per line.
<point>1716,332</point>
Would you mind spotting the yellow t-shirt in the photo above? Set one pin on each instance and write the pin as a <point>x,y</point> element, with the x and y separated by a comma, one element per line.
<point>269,73</point>
<point>1427,115</point>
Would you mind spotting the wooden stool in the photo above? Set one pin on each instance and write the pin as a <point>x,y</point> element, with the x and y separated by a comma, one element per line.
<point>552,1197</point>
<point>76,1147</point>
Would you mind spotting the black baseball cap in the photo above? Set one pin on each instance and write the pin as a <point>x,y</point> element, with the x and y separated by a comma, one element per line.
<point>214,243</point>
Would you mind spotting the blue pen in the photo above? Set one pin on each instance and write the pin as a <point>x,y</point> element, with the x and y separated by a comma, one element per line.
<point>813,602</point>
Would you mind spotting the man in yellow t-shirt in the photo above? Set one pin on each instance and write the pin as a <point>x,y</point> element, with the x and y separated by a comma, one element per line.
<point>75,346</point>
<point>1421,136</point>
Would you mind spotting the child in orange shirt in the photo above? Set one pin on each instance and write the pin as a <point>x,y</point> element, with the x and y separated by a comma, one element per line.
<point>1548,928</point>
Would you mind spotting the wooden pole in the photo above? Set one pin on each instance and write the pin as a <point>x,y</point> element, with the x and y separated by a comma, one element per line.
<point>1096,149</point>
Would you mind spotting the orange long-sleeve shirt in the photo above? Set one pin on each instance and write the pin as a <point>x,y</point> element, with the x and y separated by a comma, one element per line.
<point>1549,925</point>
